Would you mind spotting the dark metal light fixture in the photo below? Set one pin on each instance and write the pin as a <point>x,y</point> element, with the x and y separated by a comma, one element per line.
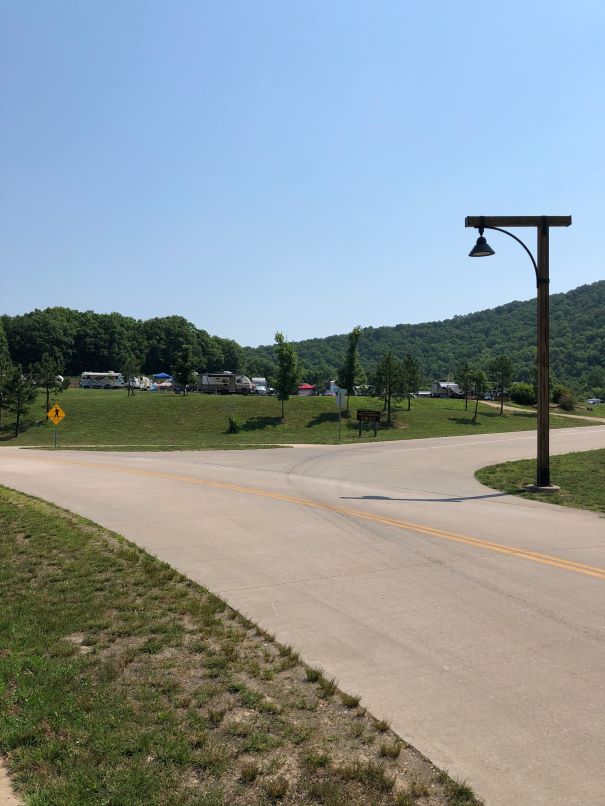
<point>481,248</point>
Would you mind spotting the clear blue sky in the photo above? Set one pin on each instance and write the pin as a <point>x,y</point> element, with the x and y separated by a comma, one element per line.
<point>301,166</point>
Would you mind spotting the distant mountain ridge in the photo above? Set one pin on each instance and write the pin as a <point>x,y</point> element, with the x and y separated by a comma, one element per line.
<point>577,340</point>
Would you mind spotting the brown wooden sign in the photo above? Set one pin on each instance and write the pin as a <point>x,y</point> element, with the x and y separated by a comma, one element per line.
<point>368,416</point>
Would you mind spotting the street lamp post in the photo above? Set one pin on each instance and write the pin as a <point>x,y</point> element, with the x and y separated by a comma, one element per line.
<point>482,249</point>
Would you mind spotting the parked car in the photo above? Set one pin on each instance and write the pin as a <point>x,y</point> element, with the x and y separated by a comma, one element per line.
<point>594,400</point>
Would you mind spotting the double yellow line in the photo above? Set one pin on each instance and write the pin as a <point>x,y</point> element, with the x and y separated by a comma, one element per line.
<point>513,551</point>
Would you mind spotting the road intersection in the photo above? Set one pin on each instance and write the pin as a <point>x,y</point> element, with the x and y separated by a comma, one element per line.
<point>473,620</point>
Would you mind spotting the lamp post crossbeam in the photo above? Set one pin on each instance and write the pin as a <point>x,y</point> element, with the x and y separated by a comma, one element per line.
<point>517,221</point>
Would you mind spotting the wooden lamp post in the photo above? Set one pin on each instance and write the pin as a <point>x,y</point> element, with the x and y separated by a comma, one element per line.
<point>482,249</point>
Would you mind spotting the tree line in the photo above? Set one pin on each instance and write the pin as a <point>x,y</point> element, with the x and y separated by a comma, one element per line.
<point>89,341</point>
<point>577,343</point>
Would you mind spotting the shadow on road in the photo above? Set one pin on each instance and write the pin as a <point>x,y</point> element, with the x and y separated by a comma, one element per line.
<point>428,500</point>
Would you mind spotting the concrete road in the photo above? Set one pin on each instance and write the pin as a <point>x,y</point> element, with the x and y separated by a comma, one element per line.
<point>473,620</point>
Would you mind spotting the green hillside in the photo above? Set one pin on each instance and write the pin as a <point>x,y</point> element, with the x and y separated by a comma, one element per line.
<point>577,341</point>
<point>93,341</point>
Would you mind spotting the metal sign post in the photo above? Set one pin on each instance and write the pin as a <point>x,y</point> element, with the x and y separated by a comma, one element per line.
<point>341,397</point>
<point>55,414</point>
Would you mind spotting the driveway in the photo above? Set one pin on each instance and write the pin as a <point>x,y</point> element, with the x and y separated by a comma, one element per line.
<point>473,620</point>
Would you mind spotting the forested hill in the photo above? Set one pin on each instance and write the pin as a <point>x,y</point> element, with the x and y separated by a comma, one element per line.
<point>577,332</point>
<point>95,341</point>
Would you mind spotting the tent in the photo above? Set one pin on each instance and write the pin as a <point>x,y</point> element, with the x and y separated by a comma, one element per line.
<point>163,375</point>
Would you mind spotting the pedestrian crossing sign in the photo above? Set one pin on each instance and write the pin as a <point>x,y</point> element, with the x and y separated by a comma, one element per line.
<point>55,414</point>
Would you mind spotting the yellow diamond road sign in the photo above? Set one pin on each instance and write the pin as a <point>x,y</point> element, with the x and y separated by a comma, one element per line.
<point>55,414</point>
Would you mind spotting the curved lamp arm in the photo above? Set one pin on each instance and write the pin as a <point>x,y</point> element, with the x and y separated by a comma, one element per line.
<point>518,240</point>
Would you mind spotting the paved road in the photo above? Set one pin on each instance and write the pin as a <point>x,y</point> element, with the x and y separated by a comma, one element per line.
<point>474,621</point>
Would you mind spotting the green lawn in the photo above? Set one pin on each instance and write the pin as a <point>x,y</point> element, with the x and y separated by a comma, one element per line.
<point>109,418</point>
<point>581,477</point>
<point>124,683</point>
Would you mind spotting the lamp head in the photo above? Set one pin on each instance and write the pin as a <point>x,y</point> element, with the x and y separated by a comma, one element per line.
<point>481,248</point>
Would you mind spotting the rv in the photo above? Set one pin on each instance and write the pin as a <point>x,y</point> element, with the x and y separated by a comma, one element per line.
<point>102,380</point>
<point>224,383</point>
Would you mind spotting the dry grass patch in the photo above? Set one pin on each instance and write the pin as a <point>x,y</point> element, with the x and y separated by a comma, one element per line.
<point>133,683</point>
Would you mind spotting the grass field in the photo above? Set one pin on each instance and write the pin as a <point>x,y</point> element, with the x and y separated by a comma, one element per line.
<point>163,421</point>
<point>581,477</point>
<point>124,683</point>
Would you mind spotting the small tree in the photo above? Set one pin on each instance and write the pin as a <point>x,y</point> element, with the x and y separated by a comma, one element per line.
<point>462,378</point>
<point>130,368</point>
<point>184,369</point>
<point>20,393</point>
<point>288,370</point>
<point>388,381</point>
<point>502,370</point>
<point>48,375</point>
<point>6,369</point>
<point>478,382</point>
<point>351,373</point>
<point>411,377</point>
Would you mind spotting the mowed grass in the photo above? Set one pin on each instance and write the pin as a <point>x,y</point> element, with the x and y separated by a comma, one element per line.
<point>581,477</point>
<point>122,682</point>
<point>163,421</point>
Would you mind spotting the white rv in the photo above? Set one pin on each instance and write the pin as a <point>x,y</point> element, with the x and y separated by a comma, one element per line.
<point>102,380</point>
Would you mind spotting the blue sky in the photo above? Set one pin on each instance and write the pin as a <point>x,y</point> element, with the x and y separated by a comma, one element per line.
<point>295,166</point>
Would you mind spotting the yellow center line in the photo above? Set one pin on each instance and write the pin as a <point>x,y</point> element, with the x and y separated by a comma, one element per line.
<point>526,554</point>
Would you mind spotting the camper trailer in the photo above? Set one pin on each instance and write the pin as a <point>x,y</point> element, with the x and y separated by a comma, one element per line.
<point>224,383</point>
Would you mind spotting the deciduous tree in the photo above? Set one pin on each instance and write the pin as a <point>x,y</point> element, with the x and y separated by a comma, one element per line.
<point>288,370</point>
<point>478,381</point>
<point>351,372</point>
<point>411,377</point>
<point>388,381</point>
<point>48,375</point>
<point>502,370</point>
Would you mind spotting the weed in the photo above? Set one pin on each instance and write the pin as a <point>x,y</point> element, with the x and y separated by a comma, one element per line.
<point>216,715</point>
<point>328,792</point>
<point>249,772</point>
<point>371,773</point>
<point>313,675</point>
<point>314,761</point>
<point>350,700</point>
<point>327,687</point>
<point>276,788</point>
<point>390,749</point>
<point>458,793</point>
<point>418,789</point>
<point>382,725</point>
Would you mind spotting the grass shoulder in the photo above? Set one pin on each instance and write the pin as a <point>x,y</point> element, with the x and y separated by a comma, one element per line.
<point>147,421</point>
<point>581,477</point>
<point>124,682</point>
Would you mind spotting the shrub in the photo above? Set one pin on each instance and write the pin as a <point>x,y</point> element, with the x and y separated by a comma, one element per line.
<point>523,393</point>
<point>559,391</point>
<point>235,425</point>
<point>567,402</point>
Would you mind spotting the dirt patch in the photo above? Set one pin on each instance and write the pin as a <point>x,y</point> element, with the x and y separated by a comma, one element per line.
<point>7,795</point>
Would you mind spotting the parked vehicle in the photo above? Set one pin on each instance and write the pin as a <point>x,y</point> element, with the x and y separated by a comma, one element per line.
<point>142,382</point>
<point>594,400</point>
<point>260,385</point>
<point>224,383</point>
<point>102,380</point>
